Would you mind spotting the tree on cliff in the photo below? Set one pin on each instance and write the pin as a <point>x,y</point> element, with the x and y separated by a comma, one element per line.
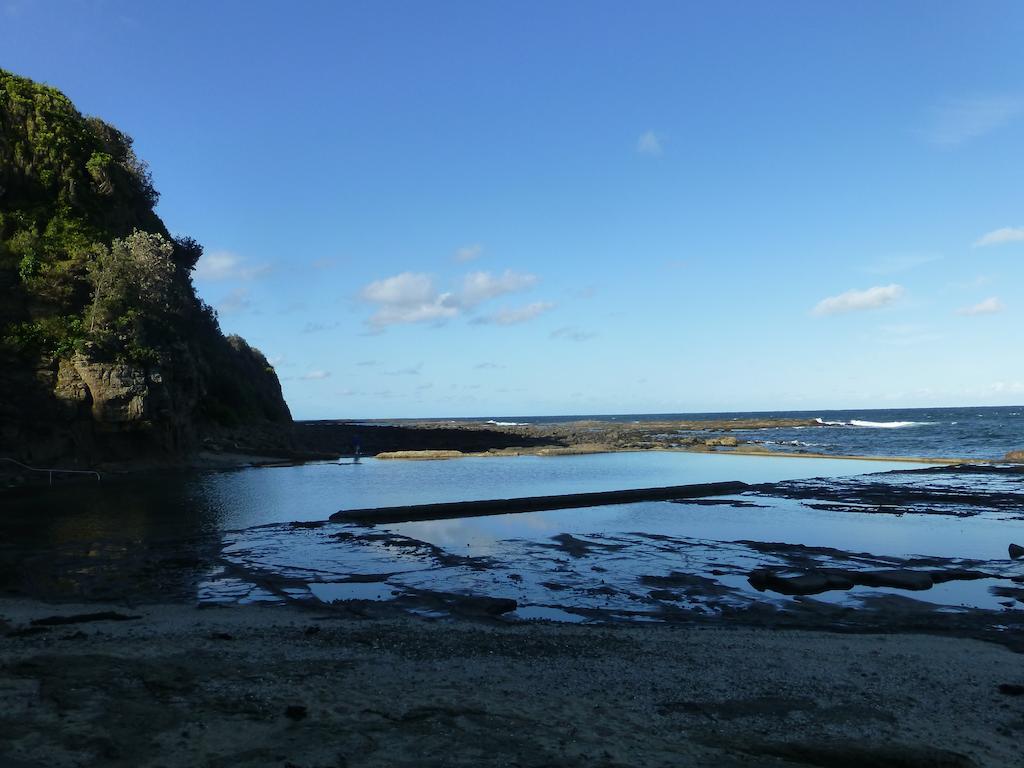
<point>90,274</point>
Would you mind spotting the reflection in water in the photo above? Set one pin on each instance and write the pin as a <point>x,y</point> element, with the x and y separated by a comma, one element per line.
<point>255,534</point>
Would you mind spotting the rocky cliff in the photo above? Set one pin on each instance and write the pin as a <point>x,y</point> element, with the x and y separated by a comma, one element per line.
<point>106,352</point>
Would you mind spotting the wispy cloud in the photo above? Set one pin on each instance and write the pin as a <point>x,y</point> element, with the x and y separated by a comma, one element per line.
<point>855,300</point>
<point>1007,387</point>
<point>326,262</point>
<point>412,370</point>
<point>488,366</point>
<point>469,252</point>
<point>900,262</point>
<point>516,315</point>
<point>225,265</point>
<point>1000,236</point>
<point>368,363</point>
<point>649,143</point>
<point>960,120</point>
<point>978,281</point>
<point>318,327</point>
<point>315,375</point>
<point>572,333</point>
<point>908,335</point>
<point>239,300</point>
<point>990,306</point>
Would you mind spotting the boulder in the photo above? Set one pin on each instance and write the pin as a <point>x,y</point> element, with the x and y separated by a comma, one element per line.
<point>725,442</point>
<point>1015,456</point>
<point>895,578</point>
<point>1016,551</point>
<point>812,583</point>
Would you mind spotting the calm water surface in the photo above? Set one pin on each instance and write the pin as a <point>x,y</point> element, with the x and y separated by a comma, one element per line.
<point>226,536</point>
<point>170,504</point>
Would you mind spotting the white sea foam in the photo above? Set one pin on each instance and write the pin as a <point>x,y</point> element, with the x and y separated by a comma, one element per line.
<point>508,423</point>
<point>887,424</point>
<point>873,424</point>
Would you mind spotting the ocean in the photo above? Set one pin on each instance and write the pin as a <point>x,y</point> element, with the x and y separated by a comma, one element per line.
<point>977,433</point>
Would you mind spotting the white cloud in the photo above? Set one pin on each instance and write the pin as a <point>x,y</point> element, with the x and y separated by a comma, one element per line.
<point>515,315</point>
<point>854,300</point>
<point>488,366</point>
<point>315,375</point>
<point>405,289</point>
<point>469,252</point>
<point>225,265</point>
<point>572,333</point>
<point>412,298</point>
<point>961,120</point>
<point>649,143</point>
<point>408,297</point>
<point>478,287</point>
<point>989,306</point>
<point>1000,236</point>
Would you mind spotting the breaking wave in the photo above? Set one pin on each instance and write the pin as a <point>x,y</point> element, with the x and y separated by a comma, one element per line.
<point>874,424</point>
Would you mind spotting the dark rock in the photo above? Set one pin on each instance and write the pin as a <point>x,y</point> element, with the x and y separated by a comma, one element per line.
<point>310,631</point>
<point>1011,689</point>
<point>824,580</point>
<point>296,712</point>
<point>78,618</point>
<point>492,606</point>
<point>805,584</point>
<point>221,636</point>
<point>1016,551</point>
<point>957,574</point>
<point>896,578</point>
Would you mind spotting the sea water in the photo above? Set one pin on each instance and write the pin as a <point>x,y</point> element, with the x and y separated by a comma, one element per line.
<point>977,432</point>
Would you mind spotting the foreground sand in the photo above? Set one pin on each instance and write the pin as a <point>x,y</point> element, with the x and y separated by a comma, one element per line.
<point>182,686</point>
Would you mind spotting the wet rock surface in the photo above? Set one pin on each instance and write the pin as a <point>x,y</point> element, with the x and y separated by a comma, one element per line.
<point>628,572</point>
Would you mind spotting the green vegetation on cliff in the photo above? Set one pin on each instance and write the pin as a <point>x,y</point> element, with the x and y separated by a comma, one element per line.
<point>90,276</point>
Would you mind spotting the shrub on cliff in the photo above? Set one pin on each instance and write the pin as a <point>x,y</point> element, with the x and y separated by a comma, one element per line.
<point>88,269</point>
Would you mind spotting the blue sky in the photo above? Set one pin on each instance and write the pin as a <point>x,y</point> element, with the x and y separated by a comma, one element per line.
<point>483,208</point>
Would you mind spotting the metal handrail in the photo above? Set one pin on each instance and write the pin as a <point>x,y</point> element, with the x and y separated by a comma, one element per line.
<point>51,471</point>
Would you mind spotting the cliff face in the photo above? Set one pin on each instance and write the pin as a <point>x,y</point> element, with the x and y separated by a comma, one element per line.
<point>106,353</point>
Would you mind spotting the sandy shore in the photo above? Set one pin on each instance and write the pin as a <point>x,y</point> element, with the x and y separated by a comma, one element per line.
<point>284,686</point>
